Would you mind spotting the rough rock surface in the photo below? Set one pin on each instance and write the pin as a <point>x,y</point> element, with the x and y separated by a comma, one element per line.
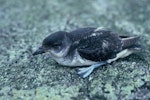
<point>25,23</point>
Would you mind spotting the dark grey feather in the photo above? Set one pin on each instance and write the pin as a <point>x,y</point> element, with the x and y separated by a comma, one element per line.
<point>129,41</point>
<point>100,46</point>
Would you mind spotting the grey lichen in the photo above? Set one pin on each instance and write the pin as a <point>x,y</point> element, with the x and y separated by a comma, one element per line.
<point>23,26</point>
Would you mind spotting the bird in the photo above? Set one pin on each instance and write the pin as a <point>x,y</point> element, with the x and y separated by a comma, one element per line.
<point>88,48</point>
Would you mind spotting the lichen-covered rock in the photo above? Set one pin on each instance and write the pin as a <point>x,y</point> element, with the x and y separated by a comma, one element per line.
<point>23,26</point>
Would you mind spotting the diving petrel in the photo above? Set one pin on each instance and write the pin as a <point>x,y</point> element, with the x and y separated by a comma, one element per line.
<point>93,47</point>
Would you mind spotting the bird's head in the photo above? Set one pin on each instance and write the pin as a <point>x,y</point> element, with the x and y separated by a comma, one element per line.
<point>57,44</point>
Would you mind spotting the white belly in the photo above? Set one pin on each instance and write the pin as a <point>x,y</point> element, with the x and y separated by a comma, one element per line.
<point>77,60</point>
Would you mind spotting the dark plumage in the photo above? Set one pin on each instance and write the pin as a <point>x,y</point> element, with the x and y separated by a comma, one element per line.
<point>92,47</point>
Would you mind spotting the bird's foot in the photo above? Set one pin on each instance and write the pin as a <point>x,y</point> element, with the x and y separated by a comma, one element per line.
<point>86,71</point>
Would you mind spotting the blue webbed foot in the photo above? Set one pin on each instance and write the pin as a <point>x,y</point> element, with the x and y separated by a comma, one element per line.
<point>84,72</point>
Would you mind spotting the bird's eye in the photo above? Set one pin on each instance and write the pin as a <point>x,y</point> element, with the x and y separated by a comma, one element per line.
<point>56,46</point>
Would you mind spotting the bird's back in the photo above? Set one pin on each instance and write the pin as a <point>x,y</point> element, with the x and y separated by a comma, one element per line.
<point>80,33</point>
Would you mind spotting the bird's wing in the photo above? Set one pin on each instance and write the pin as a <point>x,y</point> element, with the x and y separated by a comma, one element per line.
<point>77,35</point>
<point>99,46</point>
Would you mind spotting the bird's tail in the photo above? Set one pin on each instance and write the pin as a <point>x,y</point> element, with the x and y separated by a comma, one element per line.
<point>129,41</point>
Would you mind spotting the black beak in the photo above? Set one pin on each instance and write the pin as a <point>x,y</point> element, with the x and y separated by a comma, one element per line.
<point>40,50</point>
